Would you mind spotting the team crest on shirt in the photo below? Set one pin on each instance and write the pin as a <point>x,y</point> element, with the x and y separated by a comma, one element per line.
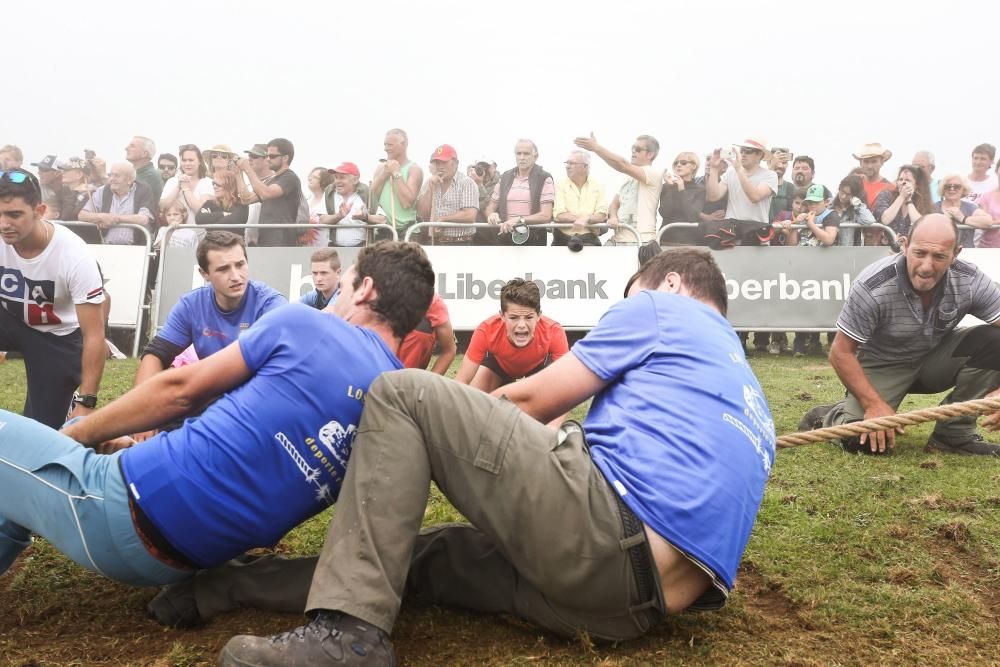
<point>338,440</point>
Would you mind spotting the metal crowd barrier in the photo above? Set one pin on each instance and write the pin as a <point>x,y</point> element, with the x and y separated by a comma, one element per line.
<point>485,225</point>
<point>143,277</point>
<point>893,242</point>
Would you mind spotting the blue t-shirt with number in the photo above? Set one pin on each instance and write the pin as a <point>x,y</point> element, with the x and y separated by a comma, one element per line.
<point>270,453</point>
<point>197,319</point>
<point>682,430</point>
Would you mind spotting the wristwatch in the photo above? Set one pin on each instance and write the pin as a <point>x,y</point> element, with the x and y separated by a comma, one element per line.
<point>397,175</point>
<point>520,219</point>
<point>88,401</point>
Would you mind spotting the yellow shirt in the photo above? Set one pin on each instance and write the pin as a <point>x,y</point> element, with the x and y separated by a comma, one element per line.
<point>588,200</point>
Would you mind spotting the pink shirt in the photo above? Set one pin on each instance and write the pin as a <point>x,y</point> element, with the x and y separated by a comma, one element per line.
<point>519,196</point>
<point>990,202</point>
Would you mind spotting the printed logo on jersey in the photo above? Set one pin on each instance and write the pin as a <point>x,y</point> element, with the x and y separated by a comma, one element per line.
<point>332,460</point>
<point>32,301</point>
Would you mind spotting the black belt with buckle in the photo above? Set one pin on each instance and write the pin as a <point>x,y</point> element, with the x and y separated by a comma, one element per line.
<point>642,562</point>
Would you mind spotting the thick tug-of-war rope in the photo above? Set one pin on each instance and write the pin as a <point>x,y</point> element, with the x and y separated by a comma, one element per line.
<point>949,411</point>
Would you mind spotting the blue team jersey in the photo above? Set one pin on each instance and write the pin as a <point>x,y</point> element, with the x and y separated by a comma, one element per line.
<point>197,319</point>
<point>270,453</point>
<point>682,430</point>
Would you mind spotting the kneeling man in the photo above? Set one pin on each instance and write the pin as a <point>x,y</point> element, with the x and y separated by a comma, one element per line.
<point>897,335</point>
<point>604,529</point>
<point>269,453</point>
<point>514,344</point>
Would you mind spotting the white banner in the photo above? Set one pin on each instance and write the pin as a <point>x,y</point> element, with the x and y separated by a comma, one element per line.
<point>122,267</point>
<point>576,287</point>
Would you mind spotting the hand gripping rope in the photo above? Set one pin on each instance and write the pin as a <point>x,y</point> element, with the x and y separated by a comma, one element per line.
<point>949,411</point>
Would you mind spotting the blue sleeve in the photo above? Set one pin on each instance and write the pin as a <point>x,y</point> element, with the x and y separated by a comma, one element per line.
<point>309,298</point>
<point>616,344</point>
<point>260,341</point>
<point>177,330</point>
<point>271,300</point>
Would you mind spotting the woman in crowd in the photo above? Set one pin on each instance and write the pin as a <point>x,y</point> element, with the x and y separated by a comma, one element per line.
<point>953,189</point>
<point>219,157</point>
<point>681,200</point>
<point>319,179</point>
<point>225,207</point>
<point>900,208</point>
<point>990,203</point>
<point>176,214</point>
<point>190,186</point>
<point>851,207</point>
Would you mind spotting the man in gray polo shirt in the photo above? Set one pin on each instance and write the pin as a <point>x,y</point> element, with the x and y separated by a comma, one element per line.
<point>897,336</point>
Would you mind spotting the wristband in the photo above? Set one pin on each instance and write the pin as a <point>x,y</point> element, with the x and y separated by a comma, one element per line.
<point>88,401</point>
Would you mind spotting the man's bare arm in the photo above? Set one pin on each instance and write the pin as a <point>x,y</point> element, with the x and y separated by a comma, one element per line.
<point>843,358</point>
<point>449,348</point>
<point>555,390</point>
<point>168,395</point>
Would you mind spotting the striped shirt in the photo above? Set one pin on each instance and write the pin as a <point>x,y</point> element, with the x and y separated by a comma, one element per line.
<point>886,316</point>
<point>519,195</point>
<point>462,193</point>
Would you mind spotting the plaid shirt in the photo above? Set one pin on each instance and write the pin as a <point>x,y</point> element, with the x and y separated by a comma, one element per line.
<point>461,193</point>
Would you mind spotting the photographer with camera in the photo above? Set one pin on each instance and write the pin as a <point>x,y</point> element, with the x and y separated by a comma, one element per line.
<point>581,201</point>
<point>750,187</point>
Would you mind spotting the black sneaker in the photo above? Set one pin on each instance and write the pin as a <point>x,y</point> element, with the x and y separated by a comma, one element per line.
<point>331,638</point>
<point>974,445</point>
<point>813,419</point>
<point>175,606</point>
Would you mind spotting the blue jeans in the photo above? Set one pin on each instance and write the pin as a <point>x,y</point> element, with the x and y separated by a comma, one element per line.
<point>73,497</point>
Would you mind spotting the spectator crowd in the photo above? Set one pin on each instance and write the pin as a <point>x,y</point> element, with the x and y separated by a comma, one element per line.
<point>734,196</point>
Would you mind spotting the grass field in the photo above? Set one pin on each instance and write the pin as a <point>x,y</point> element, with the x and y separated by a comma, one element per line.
<point>854,561</point>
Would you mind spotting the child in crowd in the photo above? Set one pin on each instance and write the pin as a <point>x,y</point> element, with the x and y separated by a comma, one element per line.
<point>176,214</point>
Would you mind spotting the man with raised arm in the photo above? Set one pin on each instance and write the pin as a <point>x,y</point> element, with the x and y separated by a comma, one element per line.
<point>636,201</point>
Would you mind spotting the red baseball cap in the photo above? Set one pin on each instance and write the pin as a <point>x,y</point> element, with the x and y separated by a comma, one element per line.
<point>443,153</point>
<point>346,168</point>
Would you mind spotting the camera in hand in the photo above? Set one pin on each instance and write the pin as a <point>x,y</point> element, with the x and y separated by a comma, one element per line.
<point>574,243</point>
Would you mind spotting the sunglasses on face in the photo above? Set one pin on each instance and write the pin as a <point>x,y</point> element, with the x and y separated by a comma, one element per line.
<point>747,151</point>
<point>682,163</point>
<point>953,186</point>
<point>167,167</point>
<point>275,156</point>
<point>639,149</point>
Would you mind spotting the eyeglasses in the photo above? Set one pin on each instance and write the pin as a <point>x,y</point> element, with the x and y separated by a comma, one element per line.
<point>953,186</point>
<point>164,167</point>
<point>748,151</point>
<point>19,176</point>
<point>639,149</point>
<point>682,163</point>
<point>272,156</point>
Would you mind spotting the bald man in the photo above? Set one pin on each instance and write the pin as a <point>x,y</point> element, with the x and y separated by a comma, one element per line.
<point>122,201</point>
<point>897,335</point>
